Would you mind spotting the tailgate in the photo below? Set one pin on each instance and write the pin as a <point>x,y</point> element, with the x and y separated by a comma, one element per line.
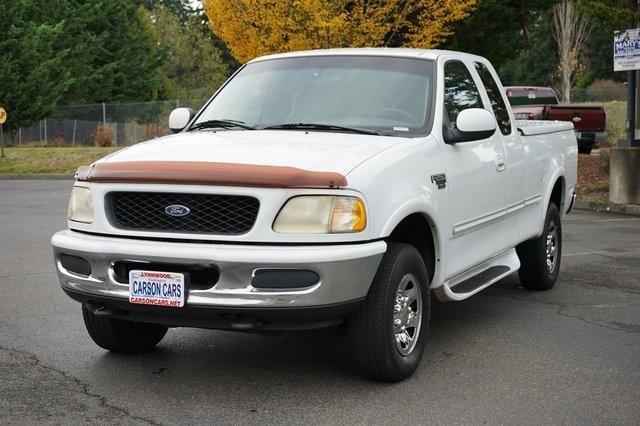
<point>584,118</point>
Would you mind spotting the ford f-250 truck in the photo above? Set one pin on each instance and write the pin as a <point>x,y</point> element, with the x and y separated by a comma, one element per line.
<point>541,103</point>
<point>320,188</point>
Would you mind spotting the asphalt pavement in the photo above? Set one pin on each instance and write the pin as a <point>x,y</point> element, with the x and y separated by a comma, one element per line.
<point>570,355</point>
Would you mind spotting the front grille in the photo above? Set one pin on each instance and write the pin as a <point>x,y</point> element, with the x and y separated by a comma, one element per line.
<point>211,214</point>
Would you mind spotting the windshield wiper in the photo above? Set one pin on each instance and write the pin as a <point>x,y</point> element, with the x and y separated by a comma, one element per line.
<point>224,124</point>
<point>319,126</point>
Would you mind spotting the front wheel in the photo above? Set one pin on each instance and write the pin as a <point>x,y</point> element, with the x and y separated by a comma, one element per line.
<point>118,335</point>
<point>540,257</point>
<point>388,334</point>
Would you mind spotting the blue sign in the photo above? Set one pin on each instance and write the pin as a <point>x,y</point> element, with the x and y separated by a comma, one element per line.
<point>626,50</point>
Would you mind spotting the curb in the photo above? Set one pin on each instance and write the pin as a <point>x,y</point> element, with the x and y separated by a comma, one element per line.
<point>597,206</point>
<point>36,176</point>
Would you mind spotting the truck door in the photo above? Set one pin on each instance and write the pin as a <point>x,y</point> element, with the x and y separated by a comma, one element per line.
<point>514,158</point>
<point>475,179</point>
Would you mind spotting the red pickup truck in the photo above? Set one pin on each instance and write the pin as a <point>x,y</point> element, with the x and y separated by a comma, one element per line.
<point>541,103</point>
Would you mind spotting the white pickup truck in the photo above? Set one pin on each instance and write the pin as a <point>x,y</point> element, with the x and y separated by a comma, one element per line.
<point>320,188</point>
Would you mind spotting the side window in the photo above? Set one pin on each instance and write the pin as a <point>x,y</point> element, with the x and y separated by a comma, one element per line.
<point>460,91</point>
<point>497,102</point>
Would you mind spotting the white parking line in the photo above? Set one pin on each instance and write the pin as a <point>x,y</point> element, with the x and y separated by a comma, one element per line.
<point>603,220</point>
<point>601,253</point>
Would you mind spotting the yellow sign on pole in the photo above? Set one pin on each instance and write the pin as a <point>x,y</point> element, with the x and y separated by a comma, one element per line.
<point>3,115</point>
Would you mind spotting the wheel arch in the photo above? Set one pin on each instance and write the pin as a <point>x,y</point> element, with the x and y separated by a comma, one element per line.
<point>418,229</point>
<point>556,192</point>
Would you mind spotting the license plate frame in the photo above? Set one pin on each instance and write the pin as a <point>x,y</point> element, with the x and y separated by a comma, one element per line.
<point>157,288</point>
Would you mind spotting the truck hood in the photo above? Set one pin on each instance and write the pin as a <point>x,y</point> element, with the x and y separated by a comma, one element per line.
<point>316,151</point>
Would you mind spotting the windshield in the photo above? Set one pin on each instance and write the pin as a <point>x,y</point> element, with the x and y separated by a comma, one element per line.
<point>388,95</point>
<point>531,98</point>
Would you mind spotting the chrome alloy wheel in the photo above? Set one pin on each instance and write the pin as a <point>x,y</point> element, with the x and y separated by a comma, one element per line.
<point>551,251</point>
<point>407,314</point>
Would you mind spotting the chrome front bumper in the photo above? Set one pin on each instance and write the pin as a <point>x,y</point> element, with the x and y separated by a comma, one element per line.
<point>345,270</point>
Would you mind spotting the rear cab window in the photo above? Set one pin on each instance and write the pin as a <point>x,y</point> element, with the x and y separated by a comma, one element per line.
<point>532,96</point>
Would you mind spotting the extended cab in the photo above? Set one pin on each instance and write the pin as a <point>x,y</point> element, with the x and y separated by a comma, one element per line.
<point>317,188</point>
<point>541,103</point>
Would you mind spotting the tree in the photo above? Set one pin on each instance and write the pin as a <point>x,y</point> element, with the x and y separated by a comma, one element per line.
<point>113,55</point>
<point>570,31</point>
<point>497,29</point>
<point>611,14</point>
<point>33,76</point>
<point>605,18</point>
<point>191,64</point>
<point>252,28</point>
<point>536,64</point>
<point>180,8</point>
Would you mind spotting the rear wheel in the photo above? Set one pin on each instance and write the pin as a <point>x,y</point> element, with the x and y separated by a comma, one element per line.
<point>540,257</point>
<point>122,336</point>
<point>388,334</point>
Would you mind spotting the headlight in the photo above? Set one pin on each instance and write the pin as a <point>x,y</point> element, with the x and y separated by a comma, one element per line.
<point>80,205</point>
<point>319,214</point>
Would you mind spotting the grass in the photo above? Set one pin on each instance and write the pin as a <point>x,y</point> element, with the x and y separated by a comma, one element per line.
<point>64,161</point>
<point>616,120</point>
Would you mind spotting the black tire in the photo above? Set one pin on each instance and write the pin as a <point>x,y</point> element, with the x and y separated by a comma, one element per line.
<point>371,330</point>
<point>535,272</point>
<point>582,149</point>
<point>122,336</point>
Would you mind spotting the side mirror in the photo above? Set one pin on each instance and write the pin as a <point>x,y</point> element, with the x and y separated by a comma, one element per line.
<point>179,118</point>
<point>471,125</point>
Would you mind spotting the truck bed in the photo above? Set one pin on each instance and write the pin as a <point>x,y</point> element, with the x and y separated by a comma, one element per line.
<point>541,127</point>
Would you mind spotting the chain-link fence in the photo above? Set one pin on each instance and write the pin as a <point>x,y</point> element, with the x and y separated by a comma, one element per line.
<point>116,124</point>
<point>105,124</point>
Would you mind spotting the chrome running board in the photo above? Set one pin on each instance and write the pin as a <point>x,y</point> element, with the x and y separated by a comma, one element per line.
<point>475,279</point>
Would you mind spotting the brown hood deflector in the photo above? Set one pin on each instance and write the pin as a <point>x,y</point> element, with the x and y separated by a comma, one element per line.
<point>205,173</point>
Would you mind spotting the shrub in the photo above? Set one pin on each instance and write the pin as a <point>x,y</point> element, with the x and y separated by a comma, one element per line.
<point>103,135</point>
<point>56,140</point>
<point>155,130</point>
<point>605,90</point>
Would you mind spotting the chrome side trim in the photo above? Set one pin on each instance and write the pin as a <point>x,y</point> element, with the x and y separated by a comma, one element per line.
<point>484,220</point>
<point>532,200</point>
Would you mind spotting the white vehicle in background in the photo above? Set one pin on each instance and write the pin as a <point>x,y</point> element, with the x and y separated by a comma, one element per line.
<point>316,188</point>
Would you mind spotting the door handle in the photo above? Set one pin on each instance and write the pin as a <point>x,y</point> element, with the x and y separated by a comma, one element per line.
<point>500,163</point>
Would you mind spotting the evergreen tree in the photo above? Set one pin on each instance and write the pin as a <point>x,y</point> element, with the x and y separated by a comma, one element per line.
<point>536,64</point>
<point>192,66</point>
<point>497,29</point>
<point>605,18</point>
<point>113,54</point>
<point>33,75</point>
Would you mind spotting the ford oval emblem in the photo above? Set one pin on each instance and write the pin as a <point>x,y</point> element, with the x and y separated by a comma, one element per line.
<point>177,210</point>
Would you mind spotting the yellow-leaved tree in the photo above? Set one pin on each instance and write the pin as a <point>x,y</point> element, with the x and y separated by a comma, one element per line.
<point>257,27</point>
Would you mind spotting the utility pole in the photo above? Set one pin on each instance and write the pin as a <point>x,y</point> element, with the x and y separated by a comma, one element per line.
<point>631,104</point>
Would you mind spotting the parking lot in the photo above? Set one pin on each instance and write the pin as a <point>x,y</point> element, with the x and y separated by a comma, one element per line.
<point>569,355</point>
